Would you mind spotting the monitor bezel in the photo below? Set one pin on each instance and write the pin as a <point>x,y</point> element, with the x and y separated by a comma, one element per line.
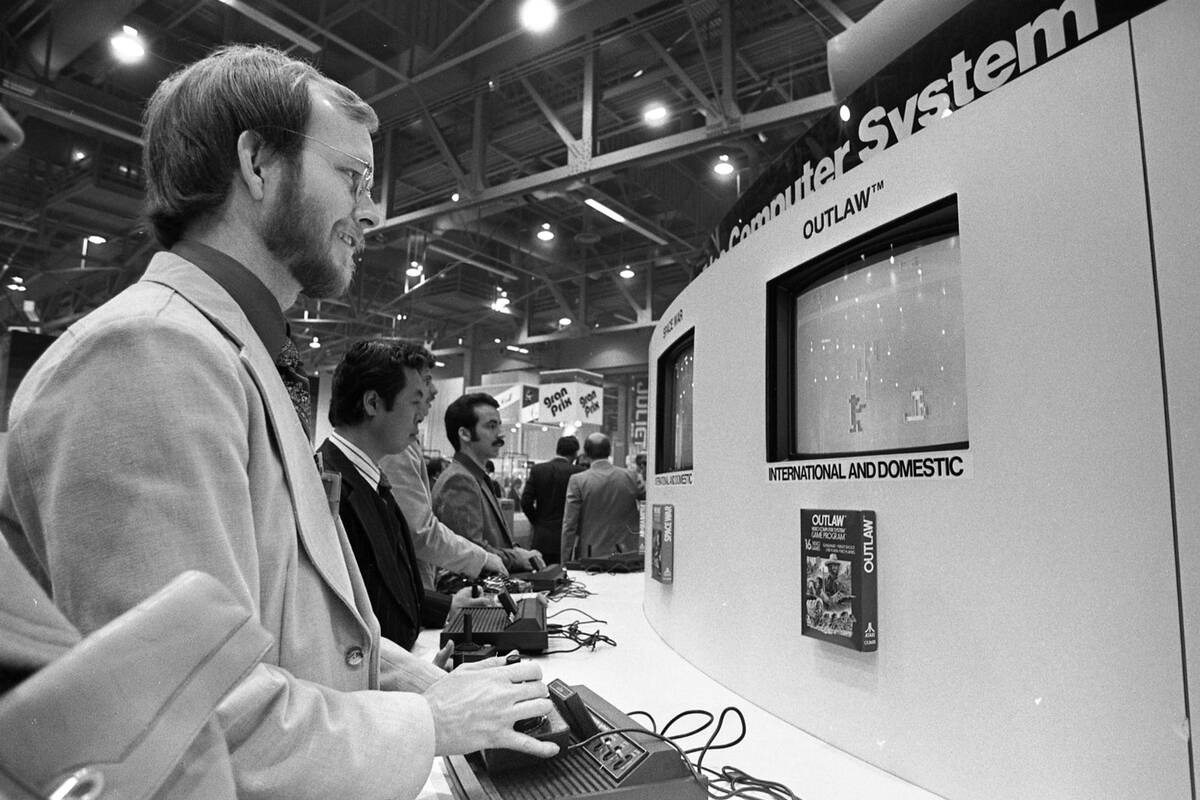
<point>939,218</point>
<point>665,382</point>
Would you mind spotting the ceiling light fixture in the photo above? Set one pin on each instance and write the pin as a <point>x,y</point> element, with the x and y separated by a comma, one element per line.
<point>513,348</point>
<point>454,198</point>
<point>723,166</point>
<point>564,321</point>
<point>78,155</point>
<point>96,239</point>
<point>127,46</point>
<point>603,209</point>
<point>618,217</point>
<point>627,272</point>
<point>844,113</point>
<point>414,269</point>
<point>655,114</point>
<point>315,344</point>
<point>538,16</point>
<point>545,234</point>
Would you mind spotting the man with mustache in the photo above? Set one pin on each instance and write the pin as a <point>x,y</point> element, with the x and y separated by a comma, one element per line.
<point>166,431</point>
<point>462,497</point>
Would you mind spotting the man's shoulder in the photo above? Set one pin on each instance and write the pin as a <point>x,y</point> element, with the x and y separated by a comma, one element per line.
<point>455,477</point>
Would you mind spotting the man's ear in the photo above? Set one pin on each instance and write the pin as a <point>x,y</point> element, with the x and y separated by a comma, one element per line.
<point>372,403</point>
<point>252,154</point>
<point>464,434</point>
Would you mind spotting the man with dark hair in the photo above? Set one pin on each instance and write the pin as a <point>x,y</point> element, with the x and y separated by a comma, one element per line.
<point>462,496</point>
<point>165,431</point>
<point>435,544</point>
<point>545,497</point>
<point>601,513</point>
<point>376,403</point>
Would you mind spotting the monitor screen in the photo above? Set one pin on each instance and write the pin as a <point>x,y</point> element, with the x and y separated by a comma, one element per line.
<point>869,342</point>
<point>675,405</point>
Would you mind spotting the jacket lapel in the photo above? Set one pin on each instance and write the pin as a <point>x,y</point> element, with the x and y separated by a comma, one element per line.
<point>489,498</point>
<point>317,531</point>
<point>372,512</point>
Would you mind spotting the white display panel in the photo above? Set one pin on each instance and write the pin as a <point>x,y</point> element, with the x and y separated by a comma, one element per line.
<point>1018,659</point>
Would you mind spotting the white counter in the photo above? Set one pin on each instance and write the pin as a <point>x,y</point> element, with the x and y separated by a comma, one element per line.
<point>641,673</point>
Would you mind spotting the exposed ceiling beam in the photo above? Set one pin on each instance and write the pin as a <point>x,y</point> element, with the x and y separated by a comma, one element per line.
<point>466,23</point>
<point>836,13</point>
<point>657,148</point>
<point>272,25</point>
<point>713,112</point>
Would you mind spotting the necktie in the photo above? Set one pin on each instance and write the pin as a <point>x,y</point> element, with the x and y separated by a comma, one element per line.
<point>294,379</point>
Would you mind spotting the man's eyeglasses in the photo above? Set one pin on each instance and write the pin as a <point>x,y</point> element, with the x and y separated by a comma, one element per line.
<point>361,183</point>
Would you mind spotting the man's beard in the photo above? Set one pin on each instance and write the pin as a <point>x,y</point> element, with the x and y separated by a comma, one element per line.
<point>293,234</point>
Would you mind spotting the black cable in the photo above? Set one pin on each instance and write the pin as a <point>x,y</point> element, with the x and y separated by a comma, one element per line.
<point>743,784</point>
<point>579,611</point>
<point>716,730</point>
<point>739,783</point>
<point>682,715</point>
<point>647,715</point>
<point>575,634</point>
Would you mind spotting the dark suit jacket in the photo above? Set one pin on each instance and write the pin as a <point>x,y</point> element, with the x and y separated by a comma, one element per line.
<point>543,499</point>
<point>464,501</point>
<point>382,546</point>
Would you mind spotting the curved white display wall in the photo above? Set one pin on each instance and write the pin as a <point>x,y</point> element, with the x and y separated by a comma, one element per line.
<point>971,309</point>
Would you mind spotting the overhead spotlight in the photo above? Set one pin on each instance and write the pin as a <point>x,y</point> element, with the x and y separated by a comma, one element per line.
<point>501,302</point>
<point>639,73</point>
<point>844,113</point>
<point>78,155</point>
<point>96,239</point>
<point>538,16</point>
<point>496,340</point>
<point>315,344</point>
<point>655,114</point>
<point>545,234</point>
<point>564,321</point>
<point>127,46</point>
<point>414,269</point>
<point>515,349</point>
<point>402,317</point>
<point>627,272</point>
<point>439,363</point>
<point>17,287</point>
<point>723,166</point>
<point>454,198</point>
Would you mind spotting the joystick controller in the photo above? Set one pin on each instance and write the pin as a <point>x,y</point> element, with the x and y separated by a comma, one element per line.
<point>549,727</point>
<point>468,649</point>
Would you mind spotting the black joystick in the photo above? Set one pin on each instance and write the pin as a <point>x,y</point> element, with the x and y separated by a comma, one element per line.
<point>468,649</point>
<point>508,604</point>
